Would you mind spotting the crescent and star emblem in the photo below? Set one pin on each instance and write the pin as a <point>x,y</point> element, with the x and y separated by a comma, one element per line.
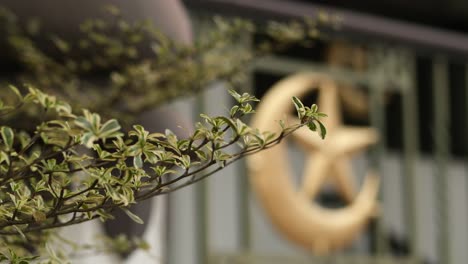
<point>291,209</point>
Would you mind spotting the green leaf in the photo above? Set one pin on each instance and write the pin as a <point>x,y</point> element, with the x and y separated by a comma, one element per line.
<point>241,128</point>
<point>282,124</point>
<point>140,132</point>
<point>185,160</point>
<point>95,121</point>
<point>323,130</point>
<point>16,91</point>
<point>133,216</point>
<point>259,138</point>
<point>64,109</point>
<point>151,157</point>
<point>138,162</point>
<point>299,107</point>
<point>88,139</point>
<point>201,155</point>
<point>311,125</point>
<point>234,110</point>
<point>61,44</point>
<point>269,136</point>
<point>4,157</point>
<point>247,109</point>
<point>20,232</point>
<point>8,137</point>
<point>314,108</point>
<point>234,94</point>
<point>82,122</point>
<point>297,103</point>
<point>109,129</point>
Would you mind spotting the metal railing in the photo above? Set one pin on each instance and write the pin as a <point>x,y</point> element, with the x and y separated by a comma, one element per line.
<point>441,48</point>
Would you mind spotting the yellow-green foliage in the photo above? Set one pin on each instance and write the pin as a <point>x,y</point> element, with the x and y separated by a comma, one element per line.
<point>75,167</point>
<point>69,166</point>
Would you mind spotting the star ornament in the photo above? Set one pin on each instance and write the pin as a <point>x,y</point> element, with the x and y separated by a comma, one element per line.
<point>330,158</point>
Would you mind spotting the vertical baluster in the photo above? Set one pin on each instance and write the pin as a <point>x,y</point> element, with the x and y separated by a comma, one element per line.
<point>201,25</point>
<point>201,238</point>
<point>410,154</point>
<point>244,210</point>
<point>243,191</point>
<point>441,142</point>
<point>202,204</point>
<point>466,125</point>
<point>243,187</point>
<point>377,116</point>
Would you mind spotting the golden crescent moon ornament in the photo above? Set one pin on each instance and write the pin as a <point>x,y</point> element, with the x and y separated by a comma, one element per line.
<point>320,230</point>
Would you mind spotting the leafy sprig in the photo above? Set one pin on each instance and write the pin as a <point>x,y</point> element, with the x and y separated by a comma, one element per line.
<point>310,116</point>
<point>48,180</point>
